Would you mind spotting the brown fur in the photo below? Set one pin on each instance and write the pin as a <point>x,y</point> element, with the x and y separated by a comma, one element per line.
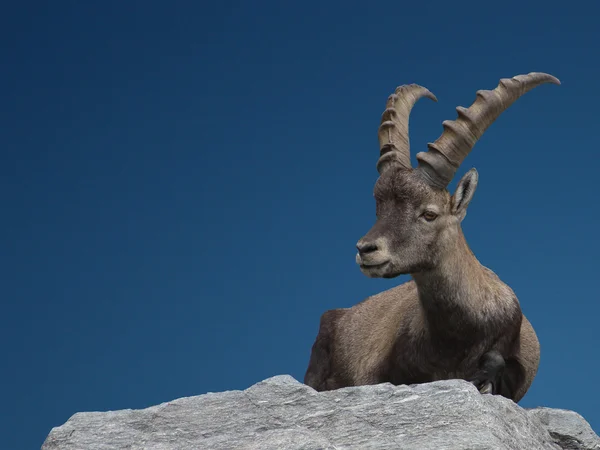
<point>380,339</point>
<point>436,326</point>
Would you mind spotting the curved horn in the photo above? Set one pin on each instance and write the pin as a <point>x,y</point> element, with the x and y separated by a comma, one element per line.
<point>446,154</point>
<point>394,147</point>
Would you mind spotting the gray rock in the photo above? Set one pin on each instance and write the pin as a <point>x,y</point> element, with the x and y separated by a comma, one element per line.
<point>568,428</point>
<point>281,413</point>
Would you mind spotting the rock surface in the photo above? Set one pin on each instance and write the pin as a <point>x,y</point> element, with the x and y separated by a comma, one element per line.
<point>281,413</point>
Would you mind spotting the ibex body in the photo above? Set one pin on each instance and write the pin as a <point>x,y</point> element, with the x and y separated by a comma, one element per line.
<point>455,318</point>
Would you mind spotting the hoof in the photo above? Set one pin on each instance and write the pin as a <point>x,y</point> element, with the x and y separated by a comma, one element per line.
<point>489,375</point>
<point>486,388</point>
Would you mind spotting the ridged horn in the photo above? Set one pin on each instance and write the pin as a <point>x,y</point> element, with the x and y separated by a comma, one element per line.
<point>394,145</point>
<point>445,155</point>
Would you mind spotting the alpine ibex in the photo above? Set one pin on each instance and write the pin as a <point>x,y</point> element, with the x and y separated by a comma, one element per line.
<point>455,318</point>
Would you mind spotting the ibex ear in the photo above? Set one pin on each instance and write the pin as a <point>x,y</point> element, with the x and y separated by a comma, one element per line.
<point>464,193</point>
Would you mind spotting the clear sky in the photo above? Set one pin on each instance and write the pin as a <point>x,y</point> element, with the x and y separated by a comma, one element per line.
<point>183,185</point>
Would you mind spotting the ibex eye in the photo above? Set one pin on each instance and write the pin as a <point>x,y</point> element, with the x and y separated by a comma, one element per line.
<point>429,216</point>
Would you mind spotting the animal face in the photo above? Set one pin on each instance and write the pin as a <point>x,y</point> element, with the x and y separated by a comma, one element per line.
<point>416,224</point>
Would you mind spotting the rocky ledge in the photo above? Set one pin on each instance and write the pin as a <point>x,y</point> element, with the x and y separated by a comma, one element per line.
<point>281,413</point>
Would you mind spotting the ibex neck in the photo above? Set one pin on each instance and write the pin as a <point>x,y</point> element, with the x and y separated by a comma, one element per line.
<point>457,287</point>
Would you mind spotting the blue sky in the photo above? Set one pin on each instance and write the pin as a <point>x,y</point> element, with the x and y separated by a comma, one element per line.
<point>183,184</point>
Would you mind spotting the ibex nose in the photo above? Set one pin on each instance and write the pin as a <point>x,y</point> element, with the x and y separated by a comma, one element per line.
<point>366,247</point>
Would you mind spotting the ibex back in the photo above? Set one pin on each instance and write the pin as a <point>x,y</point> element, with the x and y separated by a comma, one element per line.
<point>455,318</point>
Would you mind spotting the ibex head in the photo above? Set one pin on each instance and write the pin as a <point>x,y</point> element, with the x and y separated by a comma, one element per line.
<point>418,221</point>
